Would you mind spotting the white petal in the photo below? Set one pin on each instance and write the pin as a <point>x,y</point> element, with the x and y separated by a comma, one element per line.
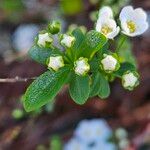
<point>142,27</point>
<point>110,22</point>
<point>124,26</point>
<point>114,33</point>
<point>140,13</point>
<point>126,13</point>
<point>106,11</point>
<point>98,26</point>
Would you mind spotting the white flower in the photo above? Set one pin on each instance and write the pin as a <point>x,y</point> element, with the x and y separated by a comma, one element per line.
<point>129,80</point>
<point>133,21</point>
<point>107,27</point>
<point>106,24</point>
<point>81,66</point>
<point>43,39</point>
<point>56,62</point>
<point>90,131</point>
<point>106,11</point>
<point>75,144</point>
<point>67,40</point>
<point>109,63</point>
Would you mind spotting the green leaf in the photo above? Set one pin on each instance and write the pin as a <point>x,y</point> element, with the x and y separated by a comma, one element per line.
<point>95,87</point>
<point>79,88</point>
<point>93,42</point>
<point>79,36</point>
<point>44,89</point>
<point>41,54</point>
<point>94,64</point>
<point>104,90</point>
<point>123,68</point>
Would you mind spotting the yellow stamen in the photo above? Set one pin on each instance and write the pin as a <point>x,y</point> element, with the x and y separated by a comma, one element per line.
<point>106,29</point>
<point>132,26</point>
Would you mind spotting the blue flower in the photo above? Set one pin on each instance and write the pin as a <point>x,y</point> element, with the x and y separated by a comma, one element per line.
<point>75,144</point>
<point>102,146</point>
<point>93,130</point>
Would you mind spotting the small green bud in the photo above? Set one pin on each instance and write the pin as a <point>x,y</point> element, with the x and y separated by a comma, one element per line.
<point>56,62</point>
<point>67,40</point>
<point>43,39</point>
<point>54,27</point>
<point>109,63</point>
<point>130,80</point>
<point>81,66</point>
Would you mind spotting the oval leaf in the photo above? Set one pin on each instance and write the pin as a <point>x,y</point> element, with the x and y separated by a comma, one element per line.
<point>41,54</point>
<point>79,89</point>
<point>92,43</point>
<point>44,89</point>
<point>104,90</point>
<point>79,36</point>
<point>95,87</point>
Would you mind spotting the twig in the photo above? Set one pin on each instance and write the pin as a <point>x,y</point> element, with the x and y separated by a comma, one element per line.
<point>16,79</point>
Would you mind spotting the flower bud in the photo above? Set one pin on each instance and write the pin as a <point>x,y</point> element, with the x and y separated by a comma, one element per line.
<point>130,80</point>
<point>109,63</point>
<point>44,39</point>
<point>54,27</point>
<point>67,40</point>
<point>55,62</point>
<point>81,66</point>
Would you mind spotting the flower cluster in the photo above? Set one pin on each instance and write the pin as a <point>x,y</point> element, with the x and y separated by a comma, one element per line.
<point>133,22</point>
<point>91,135</point>
<point>84,60</point>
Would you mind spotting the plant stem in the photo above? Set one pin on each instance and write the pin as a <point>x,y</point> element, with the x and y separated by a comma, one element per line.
<point>121,43</point>
<point>16,79</point>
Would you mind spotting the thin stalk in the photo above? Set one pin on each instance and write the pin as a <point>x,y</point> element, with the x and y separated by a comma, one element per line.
<point>120,44</point>
<point>16,79</point>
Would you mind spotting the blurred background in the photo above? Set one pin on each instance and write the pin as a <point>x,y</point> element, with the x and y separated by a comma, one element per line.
<point>51,127</point>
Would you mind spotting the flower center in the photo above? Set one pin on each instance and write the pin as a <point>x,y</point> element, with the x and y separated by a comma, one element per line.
<point>132,26</point>
<point>106,29</point>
